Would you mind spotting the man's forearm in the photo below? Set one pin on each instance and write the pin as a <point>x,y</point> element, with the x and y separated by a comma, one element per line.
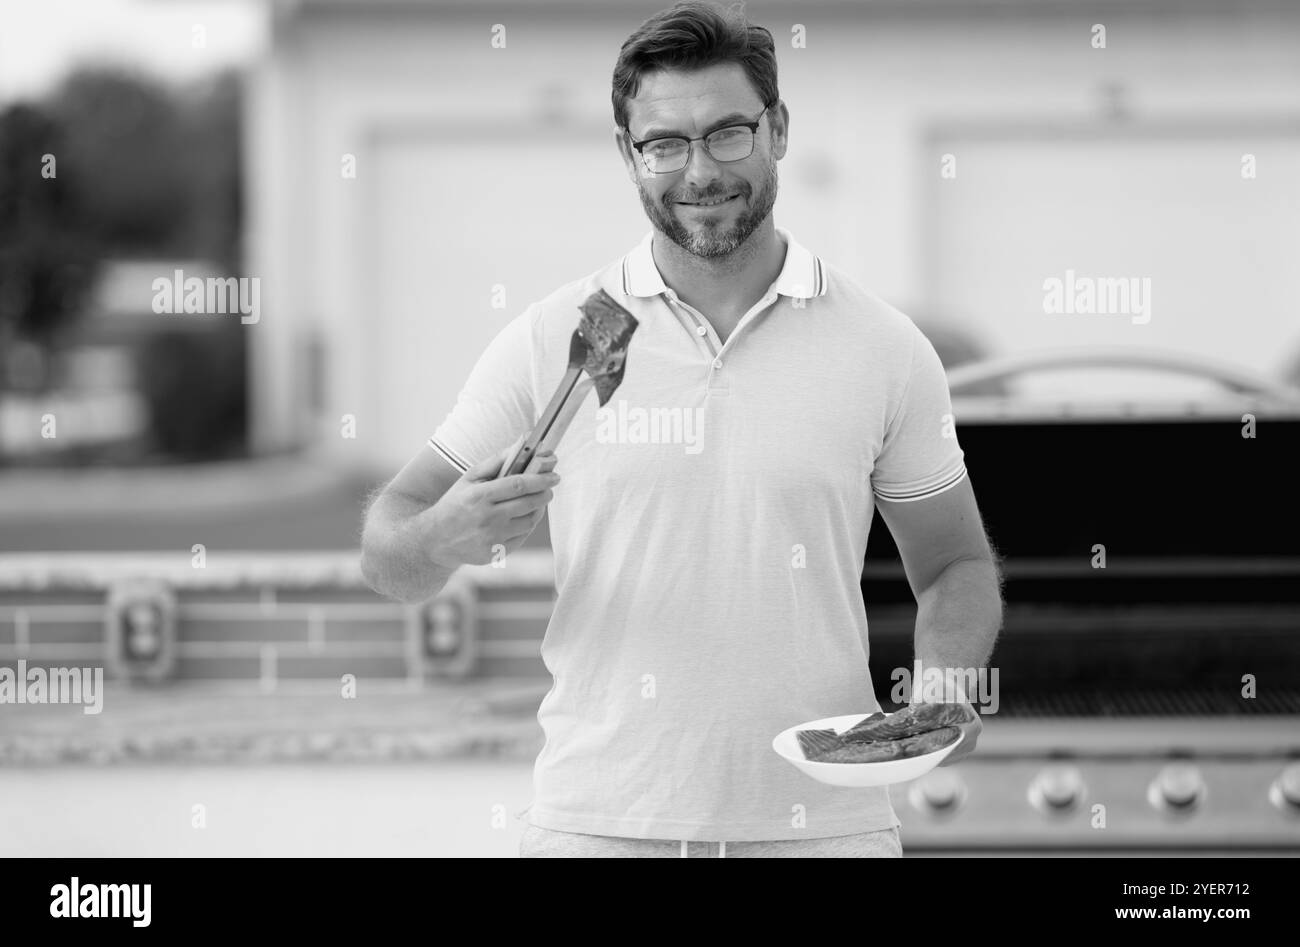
<point>958,617</point>
<point>394,551</point>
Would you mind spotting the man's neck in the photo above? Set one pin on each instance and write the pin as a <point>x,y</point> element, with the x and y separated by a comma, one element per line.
<point>724,287</point>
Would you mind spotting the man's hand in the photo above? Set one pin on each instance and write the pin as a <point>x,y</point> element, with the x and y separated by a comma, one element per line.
<point>970,733</point>
<point>480,515</point>
<point>971,726</point>
<point>969,722</point>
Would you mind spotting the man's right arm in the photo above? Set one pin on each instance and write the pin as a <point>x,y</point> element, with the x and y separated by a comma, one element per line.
<point>430,519</point>
<point>395,545</point>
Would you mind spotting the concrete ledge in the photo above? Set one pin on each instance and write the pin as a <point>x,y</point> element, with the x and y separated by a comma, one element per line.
<point>182,724</point>
<point>498,740</point>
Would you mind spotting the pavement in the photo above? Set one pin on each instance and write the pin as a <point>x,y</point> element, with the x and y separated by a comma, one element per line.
<point>291,502</point>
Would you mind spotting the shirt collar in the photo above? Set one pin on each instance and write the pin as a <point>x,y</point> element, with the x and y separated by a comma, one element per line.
<point>802,276</point>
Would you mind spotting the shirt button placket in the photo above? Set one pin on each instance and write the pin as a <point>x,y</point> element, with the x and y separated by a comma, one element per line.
<point>701,329</point>
<point>719,384</point>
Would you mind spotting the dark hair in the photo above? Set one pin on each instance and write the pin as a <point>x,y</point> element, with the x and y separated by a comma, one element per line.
<point>692,35</point>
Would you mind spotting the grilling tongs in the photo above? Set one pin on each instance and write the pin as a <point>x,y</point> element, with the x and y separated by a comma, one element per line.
<point>598,347</point>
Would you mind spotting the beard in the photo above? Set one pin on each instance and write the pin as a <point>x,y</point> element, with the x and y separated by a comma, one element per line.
<point>713,240</point>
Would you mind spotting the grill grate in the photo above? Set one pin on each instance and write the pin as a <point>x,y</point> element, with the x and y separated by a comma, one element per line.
<point>1146,702</point>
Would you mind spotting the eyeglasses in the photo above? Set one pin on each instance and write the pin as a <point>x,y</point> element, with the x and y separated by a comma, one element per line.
<point>667,155</point>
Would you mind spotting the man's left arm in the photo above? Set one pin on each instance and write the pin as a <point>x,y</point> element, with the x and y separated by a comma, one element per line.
<point>955,578</point>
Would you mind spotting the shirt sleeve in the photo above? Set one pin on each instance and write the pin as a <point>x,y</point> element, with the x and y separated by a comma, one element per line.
<point>920,456</point>
<point>495,406</point>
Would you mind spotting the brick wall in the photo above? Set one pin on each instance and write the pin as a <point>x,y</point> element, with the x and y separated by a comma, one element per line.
<point>270,617</point>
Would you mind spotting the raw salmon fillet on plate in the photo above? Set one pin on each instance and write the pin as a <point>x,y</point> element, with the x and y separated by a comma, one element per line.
<point>914,731</point>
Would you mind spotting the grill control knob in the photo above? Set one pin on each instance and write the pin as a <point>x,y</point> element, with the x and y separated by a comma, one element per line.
<point>1285,791</point>
<point>938,792</point>
<point>1177,788</point>
<point>1056,789</point>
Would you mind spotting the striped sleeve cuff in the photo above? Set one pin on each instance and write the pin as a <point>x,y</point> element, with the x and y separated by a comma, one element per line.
<point>449,455</point>
<point>925,490</point>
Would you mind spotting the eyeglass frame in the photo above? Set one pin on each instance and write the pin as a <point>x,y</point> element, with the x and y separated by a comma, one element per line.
<point>690,142</point>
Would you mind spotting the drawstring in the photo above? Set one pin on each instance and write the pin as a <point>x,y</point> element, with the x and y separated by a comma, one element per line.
<point>722,849</point>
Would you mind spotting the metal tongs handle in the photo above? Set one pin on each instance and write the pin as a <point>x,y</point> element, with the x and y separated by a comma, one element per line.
<point>550,427</point>
<point>555,420</point>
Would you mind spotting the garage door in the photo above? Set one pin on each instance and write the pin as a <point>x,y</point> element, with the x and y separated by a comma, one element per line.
<point>1217,251</point>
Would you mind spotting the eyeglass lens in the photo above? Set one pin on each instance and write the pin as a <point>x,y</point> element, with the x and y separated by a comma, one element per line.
<point>726,144</point>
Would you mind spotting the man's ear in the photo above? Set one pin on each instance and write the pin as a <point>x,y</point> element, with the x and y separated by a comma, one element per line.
<point>780,117</point>
<point>625,152</point>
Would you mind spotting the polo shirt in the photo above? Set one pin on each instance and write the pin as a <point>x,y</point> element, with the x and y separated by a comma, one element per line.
<point>709,535</point>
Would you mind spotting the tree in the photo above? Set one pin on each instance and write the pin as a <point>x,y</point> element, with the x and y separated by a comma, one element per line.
<point>131,168</point>
<point>46,258</point>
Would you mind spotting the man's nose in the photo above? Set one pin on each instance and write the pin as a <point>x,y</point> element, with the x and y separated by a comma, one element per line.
<point>701,170</point>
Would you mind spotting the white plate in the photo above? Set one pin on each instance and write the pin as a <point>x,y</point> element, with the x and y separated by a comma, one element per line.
<point>858,775</point>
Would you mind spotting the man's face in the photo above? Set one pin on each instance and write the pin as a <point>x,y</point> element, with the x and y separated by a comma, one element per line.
<point>691,104</point>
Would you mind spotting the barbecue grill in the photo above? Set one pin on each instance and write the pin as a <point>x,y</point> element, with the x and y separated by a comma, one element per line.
<point>1148,706</point>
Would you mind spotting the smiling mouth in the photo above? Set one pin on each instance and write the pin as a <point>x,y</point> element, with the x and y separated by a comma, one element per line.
<point>714,202</point>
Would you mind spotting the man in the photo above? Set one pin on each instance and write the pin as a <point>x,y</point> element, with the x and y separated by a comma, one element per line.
<point>708,578</point>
